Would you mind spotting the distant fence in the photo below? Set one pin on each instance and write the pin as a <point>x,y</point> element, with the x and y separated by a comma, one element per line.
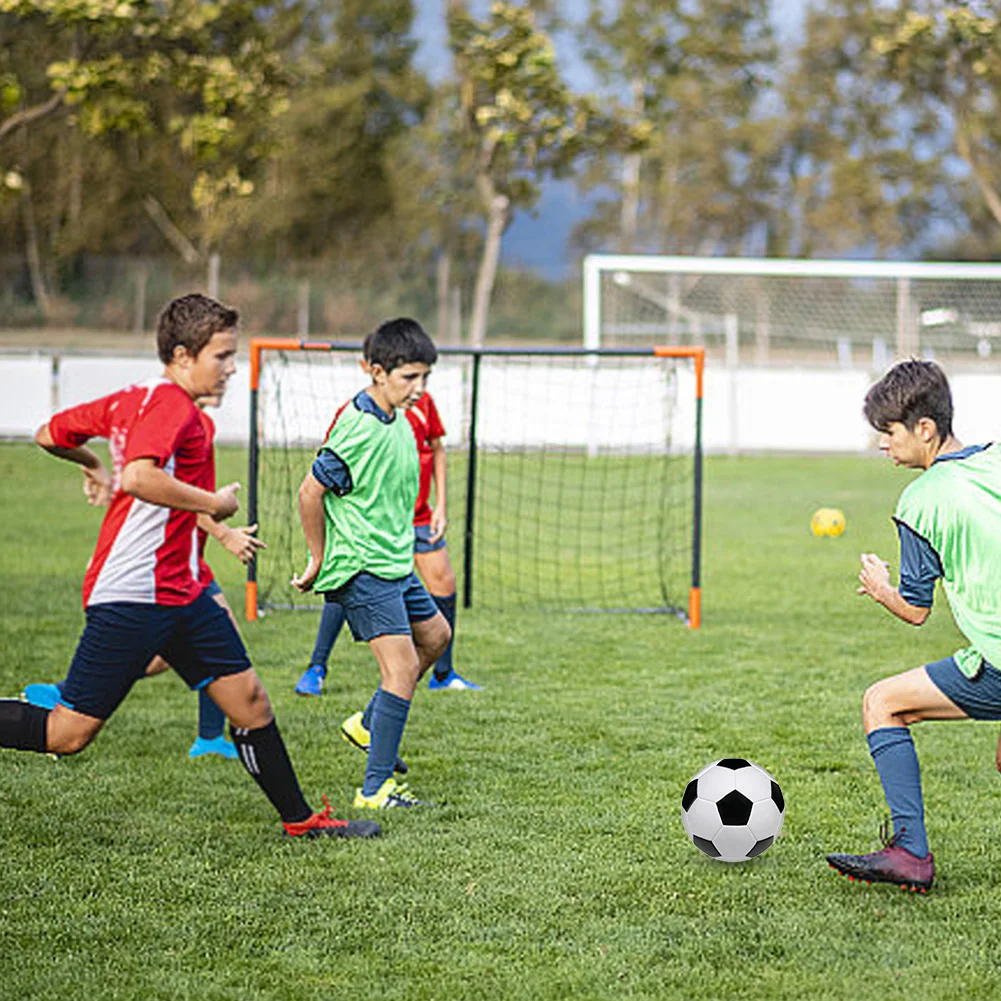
<point>746,409</point>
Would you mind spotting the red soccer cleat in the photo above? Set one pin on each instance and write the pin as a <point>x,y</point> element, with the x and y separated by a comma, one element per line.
<point>323,825</point>
<point>891,864</point>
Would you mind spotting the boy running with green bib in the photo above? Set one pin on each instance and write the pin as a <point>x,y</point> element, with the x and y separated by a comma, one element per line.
<point>356,505</point>
<point>949,523</point>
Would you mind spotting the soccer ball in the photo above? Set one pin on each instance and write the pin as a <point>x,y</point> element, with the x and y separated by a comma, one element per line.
<point>827,521</point>
<point>732,810</point>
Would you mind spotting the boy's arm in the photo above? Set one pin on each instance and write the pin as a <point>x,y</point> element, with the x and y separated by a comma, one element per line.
<point>241,542</point>
<point>143,479</point>
<point>874,579</point>
<point>314,527</point>
<point>439,521</point>
<point>97,484</point>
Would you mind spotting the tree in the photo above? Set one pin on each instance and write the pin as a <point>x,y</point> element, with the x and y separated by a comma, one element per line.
<point>946,57</point>
<point>520,124</point>
<point>205,77</point>
<point>698,73</point>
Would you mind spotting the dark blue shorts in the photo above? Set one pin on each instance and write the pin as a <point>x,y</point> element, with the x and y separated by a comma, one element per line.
<point>213,588</point>
<point>375,606</point>
<point>979,697</point>
<point>422,540</point>
<point>199,641</point>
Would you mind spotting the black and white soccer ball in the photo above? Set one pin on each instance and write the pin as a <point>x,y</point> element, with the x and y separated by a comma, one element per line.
<point>732,810</point>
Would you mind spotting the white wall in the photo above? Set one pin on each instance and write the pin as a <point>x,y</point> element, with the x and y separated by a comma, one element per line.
<point>768,409</point>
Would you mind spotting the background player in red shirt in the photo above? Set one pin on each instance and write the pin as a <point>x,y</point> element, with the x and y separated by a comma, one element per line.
<point>430,557</point>
<point>99,487</point>
<point>141,591</point>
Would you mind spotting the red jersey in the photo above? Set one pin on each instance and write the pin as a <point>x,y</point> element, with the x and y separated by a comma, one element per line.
<point>427,427</point>
<point>426,424</point>
<point>205,574</point>
<point>145,553</point>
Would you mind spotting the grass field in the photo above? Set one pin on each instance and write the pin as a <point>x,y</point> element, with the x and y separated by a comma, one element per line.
<point>558,867</point>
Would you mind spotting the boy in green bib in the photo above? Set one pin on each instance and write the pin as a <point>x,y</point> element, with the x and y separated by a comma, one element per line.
<point>949,523</point>
<point>356,505</point>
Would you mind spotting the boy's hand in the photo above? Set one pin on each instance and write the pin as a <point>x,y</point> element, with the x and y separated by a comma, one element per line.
<point>226,503</point>
<point>97,486</point>
<point>242,543</point>
<point>438,525</point>
<point>304,582</point>
<point>997,755</point>
<point>874,577</point>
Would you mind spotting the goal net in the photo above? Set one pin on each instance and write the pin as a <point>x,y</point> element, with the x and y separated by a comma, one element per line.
<point>861,313</point>
<point>573,477</point>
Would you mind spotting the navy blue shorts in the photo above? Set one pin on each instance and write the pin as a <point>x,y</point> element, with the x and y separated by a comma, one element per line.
<point>199,641</point>
<point>212,588</point>
<point>422,540</point>
<point>979,697</point>
<point>375,606</point>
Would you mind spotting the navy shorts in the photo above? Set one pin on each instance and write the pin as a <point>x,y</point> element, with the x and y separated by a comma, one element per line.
<point>212,588</point>
<point>199,641</point>
<point>979,697</point>
<point>422,540</point>
<point>375,606</point>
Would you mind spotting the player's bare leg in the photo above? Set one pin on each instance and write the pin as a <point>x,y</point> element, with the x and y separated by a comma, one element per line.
<point>889,707</point>
<point>438,575</point>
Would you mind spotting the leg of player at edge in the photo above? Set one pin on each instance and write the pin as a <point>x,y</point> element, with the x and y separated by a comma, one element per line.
<point>331,623</point>
<point>435,569</point>
<point>888,709</point>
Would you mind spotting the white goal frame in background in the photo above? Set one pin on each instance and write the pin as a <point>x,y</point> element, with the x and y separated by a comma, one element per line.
<point>902,272</point>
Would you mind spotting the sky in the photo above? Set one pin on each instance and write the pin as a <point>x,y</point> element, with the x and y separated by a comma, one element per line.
<point>540,240</point>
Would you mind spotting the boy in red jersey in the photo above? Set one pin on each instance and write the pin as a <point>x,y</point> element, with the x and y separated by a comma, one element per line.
<point>430,558</point>
<point>141,590</point>
<point>99,487</point>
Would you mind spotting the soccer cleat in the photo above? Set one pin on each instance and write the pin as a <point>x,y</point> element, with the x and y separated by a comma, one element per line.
<point>452,682</point>
<point>311,683</point>
<point>891,864</point>
<point>213,745</point>
<point>354,732</point>
<point>390,794</point>
<point>42,695</point>
<point>322,825</point>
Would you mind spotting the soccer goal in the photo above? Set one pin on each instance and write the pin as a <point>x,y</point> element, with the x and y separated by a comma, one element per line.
<point>574,477</point>
<point>772,310</point>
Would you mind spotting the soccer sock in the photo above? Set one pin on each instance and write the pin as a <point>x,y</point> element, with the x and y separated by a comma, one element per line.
<point>896,760</point>
<point>263,754</point>
<point>388,720</point>
<point>331,621</point>
<point>446,605</point>
<point>23,726</point>
<point>211,719</point>
<point>366,716</point>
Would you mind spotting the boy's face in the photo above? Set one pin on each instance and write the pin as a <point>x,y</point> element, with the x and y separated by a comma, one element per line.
<point>908,447</point>
<point>208,373</point>
<point>404,386</point>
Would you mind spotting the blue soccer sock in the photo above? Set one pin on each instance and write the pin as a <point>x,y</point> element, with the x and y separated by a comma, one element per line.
<point>331,621</point>
<point>896,760</point>
<point>366,716</point>
<point>211,719</point>
<point>389,717</point>
<point>446,605</point>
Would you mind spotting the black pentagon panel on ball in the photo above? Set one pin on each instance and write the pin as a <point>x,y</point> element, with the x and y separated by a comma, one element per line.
<point>706,845</point>
<point>691,792</point>
<point>759,847</point>
<point>733,763</point>
<point>734,809</point>
<point>777,797</point>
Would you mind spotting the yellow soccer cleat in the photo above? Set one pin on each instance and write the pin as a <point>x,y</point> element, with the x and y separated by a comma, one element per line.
<point>391,794</point>
<point>354,732</point>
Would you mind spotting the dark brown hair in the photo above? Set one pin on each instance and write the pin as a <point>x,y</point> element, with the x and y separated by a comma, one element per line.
<point>399,342</point>
<point>909,391</point>
<point>190,322</point>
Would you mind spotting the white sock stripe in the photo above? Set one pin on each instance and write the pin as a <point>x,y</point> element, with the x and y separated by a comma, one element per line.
<point>249,759</point>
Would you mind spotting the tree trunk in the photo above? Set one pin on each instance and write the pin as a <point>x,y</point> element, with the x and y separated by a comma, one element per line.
<point>631,164</point>
<point>498,213</point>
<point>33,254</point>
<point>442,293</point>
<point>965,149</point>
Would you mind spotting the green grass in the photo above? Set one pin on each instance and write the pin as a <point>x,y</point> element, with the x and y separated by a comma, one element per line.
<point>558,867</point>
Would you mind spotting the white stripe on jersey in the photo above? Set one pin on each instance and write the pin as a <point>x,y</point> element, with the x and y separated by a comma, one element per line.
<point>129,572</point>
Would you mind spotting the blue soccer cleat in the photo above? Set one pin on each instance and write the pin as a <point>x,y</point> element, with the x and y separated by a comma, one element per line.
<point>215,745</point>
<point>42,695</point>
<point>311,683</point>
<point>453,682</point>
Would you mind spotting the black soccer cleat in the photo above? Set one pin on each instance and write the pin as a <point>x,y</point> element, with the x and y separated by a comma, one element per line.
<point>891,864</point>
